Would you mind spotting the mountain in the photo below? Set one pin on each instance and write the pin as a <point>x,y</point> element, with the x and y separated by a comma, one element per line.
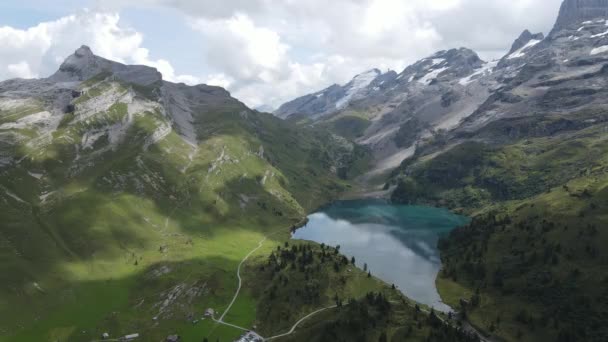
<point>524,41</point>
<point>520,145</point>
<point>334,98</point>
<point>529,165</point>
<point>574,12</point>
<point>454,92</point>
<point>127,202</point>
<point>395,110</point>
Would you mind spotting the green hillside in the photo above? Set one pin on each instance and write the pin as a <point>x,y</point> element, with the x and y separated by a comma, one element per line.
<point>531,264</point>
<point>143,233</point>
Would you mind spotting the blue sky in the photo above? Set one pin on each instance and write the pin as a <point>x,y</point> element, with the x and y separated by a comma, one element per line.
<point>264,51</point>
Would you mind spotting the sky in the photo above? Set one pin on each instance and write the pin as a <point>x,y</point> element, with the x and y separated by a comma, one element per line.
<point>265,52</point>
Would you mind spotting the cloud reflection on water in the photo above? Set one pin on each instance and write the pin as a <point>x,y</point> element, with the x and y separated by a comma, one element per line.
<point>398,246</point>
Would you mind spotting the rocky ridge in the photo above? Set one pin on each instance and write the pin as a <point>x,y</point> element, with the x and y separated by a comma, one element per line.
<point>454,95</point>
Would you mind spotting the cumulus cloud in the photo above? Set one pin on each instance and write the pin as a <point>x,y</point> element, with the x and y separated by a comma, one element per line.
<point>273,51</point>
<point>20,70</point>
<point>38,51</point>
<point>270,51</point>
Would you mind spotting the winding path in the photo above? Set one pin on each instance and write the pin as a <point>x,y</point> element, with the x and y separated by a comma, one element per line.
<point>293,329</point>
<point>238,274</point>
<point>228,324</point>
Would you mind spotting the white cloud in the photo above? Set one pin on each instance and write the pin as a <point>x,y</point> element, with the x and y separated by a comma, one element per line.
<point>220,80</point>
<point>243,50</point>
<point>20,70</point>
<point>39,50</point>
<point>270,51</point>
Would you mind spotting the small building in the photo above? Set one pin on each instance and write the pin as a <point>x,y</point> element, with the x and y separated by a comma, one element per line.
<point>105,336</point>
<point>174,338</point>
<point>209,312</point>
<point>130,337</point>
<point>250,336</point>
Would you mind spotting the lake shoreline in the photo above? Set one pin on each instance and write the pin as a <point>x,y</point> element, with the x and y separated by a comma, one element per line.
<point>397,242</point>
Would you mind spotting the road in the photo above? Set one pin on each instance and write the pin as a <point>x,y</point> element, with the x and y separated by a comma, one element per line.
<point>238,290</point>
<point>466,326</point>
<point>293,329</point>
<point>238,274</point>
<point>228,324</point>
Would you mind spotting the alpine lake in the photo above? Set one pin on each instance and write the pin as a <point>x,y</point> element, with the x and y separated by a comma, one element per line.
<point>396,243</point>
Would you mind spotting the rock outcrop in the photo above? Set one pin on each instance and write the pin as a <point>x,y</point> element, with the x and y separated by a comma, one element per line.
<point>84,65</point>
<point>574,12</point>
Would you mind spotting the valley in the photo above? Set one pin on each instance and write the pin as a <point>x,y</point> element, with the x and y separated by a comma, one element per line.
<point>457,199</point>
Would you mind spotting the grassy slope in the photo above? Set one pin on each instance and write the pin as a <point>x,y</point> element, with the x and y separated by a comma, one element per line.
<point>295,280</point>
<point>541,274</point>
<point>137,234</point>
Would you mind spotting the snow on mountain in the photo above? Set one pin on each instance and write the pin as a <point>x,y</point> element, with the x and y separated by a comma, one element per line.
<point>431,76</point>
<point>598,50</point>
<point>522,51</point>
<point>335,97</point>
<point>358,83</point>
<point>455,93</point>
<point>485,70</point>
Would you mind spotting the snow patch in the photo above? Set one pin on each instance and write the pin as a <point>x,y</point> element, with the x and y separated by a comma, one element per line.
<point>599,50</point>
<point>521,52</point>
<point>428,78</point>
<point>359,83</point>
<point>486,69</point>
<point>437,61</point>
<point>600,35</point>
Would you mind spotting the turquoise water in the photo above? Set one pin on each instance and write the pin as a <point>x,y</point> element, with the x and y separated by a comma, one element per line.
<point>398,243</point>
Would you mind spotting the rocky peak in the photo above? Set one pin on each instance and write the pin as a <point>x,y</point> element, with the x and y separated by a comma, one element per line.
<point>524,39</point>
<point>452,64</point>
<point>84,65</point>
<point>576,11</point>
<point>83,52</point>
<point>462,56</point>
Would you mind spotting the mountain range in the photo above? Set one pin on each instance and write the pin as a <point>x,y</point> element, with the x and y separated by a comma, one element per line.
<point>520,145</point>
<point>455,93</point>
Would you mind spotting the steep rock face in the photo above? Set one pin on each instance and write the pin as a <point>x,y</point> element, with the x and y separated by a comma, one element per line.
<point>436,92</point>
<point>576,11</point>
<point>84,65</point>
<point>524,39</point>
<point>453,94</point>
